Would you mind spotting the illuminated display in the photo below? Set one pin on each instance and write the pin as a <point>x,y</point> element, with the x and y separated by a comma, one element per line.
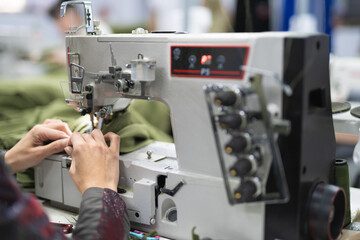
<point>206,59</point>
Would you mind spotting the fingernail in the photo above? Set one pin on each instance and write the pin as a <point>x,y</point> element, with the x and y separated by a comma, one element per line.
<point>65,142</point>
<point>68,150</point>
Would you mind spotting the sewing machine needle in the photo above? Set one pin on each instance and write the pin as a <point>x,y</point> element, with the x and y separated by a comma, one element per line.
<point>100,123</point>
<point>92,123</point>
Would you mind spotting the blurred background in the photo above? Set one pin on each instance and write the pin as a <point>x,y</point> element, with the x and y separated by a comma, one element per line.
<point>32,34</point>
<point>31,29</point>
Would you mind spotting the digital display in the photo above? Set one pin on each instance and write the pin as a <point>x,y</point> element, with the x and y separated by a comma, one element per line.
<point>208,61</point>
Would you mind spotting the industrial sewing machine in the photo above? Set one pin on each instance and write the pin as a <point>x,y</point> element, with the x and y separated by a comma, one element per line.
<point>252,127</point>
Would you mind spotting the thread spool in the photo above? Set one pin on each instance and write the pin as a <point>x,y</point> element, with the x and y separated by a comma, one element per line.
<point>340,176</point>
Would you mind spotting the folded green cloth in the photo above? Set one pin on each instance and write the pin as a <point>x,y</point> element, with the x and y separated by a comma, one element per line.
<point>132,125</point>
<point>137,129</point>
<point>15,124</point>
<point>24,104</point>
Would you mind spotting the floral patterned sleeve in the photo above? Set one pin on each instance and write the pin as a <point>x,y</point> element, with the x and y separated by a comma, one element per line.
<point>21,215</point>
<point>102,214</point>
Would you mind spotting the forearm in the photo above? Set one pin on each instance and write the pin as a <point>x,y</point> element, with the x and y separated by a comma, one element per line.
<point>102,216</point>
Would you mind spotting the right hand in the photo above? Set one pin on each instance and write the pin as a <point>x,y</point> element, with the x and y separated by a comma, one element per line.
<point>94,164</point>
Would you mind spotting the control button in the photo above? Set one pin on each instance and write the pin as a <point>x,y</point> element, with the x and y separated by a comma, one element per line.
<point>220,60</point>
<point>192,61</point>
<point>176,53</point>
<point>245,165</point>
<point>248,190</point>
<point>238,144</point>
<point>241,168</point>
<point>226,98</point>
<point>233,121</point>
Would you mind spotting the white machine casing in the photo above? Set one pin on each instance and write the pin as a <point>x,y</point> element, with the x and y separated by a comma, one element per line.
<point>192,162</point>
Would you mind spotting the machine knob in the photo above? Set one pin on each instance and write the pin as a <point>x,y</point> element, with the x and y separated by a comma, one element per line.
<point>130,83</point>
<point>326,211</point>
<point>233,120</point>
<point>245,165</point>
<point>248,190</point>
<point>241,168</point>
<point>238,144</point>
<point>226,98</point>
<point>88,88</point>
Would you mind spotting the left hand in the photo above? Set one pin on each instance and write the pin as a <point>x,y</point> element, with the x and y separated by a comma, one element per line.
<point>31,150</point>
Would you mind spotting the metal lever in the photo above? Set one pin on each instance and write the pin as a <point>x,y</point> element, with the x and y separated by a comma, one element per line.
<point>172,192</point>
<point>89,23</point>
<point>278,167</point>
<point>286,88</point>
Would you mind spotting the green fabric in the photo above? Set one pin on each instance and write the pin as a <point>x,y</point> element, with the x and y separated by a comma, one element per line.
<point>15,124</point>
<point>26,103</point>
<point>134,128</point>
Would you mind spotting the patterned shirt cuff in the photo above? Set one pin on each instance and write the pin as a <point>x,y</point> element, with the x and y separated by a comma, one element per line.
<point>2,156</point>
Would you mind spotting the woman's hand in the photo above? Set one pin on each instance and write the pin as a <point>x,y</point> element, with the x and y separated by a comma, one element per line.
<point>94,164</point>
<point>32,148</point>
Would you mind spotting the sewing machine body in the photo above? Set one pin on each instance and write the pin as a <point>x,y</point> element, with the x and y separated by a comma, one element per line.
<point>192,163</point>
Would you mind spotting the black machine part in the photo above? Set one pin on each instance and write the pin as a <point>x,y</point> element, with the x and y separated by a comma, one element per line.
<point>309,150</point>
<point>327,205</point>
<point>227,98</point>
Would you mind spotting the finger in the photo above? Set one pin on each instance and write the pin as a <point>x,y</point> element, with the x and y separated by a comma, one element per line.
<point>49,121</point>
<point>76,139</point>
<point>69,150</point>
<point>61,126</point>
<point>59,122</point>
<point>114,141</point>
<point>69,142</point>
<point>44,134</point>
<point>98,136</point>
<point>89,139</point>
<point>54,147</point>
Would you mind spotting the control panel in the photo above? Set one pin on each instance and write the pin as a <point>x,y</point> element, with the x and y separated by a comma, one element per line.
<point>208,61</point>
<point>245,141</point>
